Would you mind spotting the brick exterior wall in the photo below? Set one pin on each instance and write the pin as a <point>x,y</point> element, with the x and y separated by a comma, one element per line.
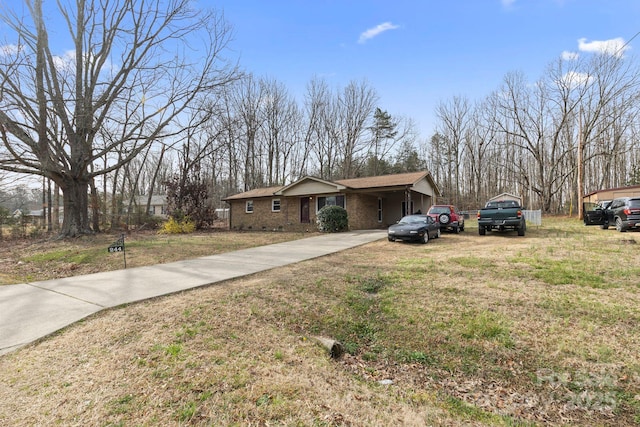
<point>361,208</point>
<point>262,218</point>
<point>361,195</point>
<point>363,211</point>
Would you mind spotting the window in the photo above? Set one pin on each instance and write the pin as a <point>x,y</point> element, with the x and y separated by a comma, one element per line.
<point>249,206</point>
<point>331,201</point>
<point>616,203</point>
<point>275,205</point>
<point>379,210</point>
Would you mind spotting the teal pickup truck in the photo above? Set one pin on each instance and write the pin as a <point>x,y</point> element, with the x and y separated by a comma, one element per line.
<point>501,215</point>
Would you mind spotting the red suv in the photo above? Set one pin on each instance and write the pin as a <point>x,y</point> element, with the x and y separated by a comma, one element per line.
<point>449,217</point>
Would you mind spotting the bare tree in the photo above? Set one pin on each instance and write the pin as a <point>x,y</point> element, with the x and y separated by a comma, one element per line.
<point>480,141</point>
<point>455,117</point>
<point>320,140</point>
<point>280,131</point>
<point>356,108</point>
<point>130,72</point>
<point>247,100</point>
<point>312,113</point>
<point>229,158</point>
<point>608,113</point>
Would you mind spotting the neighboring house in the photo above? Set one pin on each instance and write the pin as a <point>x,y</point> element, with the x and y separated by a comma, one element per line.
<point>507,196</point>
<point>372,202</point>
<point>36,216</point>
<point>158,205</point>
<point>612,193</point>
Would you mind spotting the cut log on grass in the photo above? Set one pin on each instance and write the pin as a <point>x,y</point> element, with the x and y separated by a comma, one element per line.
<point>336,350</point>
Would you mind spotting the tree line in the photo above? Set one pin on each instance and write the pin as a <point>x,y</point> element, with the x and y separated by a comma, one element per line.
<point>572,131</point>
<point>135,111</point>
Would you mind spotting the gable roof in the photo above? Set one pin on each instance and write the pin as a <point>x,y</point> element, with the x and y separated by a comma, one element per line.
<point>311,179</point>
<point>507,195</point>
<point>370,182</point>
<point>156,199</point>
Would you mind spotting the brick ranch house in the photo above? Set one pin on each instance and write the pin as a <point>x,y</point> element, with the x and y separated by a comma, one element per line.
<point>372,202</point>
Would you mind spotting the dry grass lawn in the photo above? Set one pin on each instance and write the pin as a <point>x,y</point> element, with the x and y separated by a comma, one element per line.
<point>33,260</point>
<point>466,330</point>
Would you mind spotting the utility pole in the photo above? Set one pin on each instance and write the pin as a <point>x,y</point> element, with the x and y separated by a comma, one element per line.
<point>580,165</point>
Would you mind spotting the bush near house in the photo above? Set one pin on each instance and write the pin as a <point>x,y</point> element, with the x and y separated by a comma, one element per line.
<point>332,219</point>
<point>174,226</point>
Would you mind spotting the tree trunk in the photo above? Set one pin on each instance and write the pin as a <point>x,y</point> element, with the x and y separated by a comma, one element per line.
<point>49,213</point>
<point>75,196</point>
<point>95,207</point>
<point>155,177</point>
<point>56,207</point>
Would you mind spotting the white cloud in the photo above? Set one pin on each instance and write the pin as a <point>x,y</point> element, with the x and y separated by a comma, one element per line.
<point>569,56</point>
<point>66,61</point>
<point>373,32</point>
<point>574,79</point>
<point>507,3</point>
<point>9,49</point>
<point>614,47</point>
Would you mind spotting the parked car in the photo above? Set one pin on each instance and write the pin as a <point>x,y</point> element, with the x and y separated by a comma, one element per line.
<point>419,228</point>
<point>623,212</point>
<point>501,215</point>
<point>449,217</point>
<point>592,212</point>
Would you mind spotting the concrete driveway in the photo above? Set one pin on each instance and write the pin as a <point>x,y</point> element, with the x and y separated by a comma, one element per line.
<point>30,311</point>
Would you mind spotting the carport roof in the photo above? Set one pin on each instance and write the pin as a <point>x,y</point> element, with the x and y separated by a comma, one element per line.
<point>384,180</point>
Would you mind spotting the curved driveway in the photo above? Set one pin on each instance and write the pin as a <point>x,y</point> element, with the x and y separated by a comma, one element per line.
<point>30,311</point>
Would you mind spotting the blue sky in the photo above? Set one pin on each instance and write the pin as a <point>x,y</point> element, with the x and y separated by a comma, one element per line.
<point>420,52</point>
<point>414,53</point>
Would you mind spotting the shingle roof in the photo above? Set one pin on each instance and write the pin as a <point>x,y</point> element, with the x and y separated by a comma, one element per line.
<point>383,180</point>
<point>255,193</point>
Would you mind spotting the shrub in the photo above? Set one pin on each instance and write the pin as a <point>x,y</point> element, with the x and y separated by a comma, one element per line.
<point>332,219</point>
<point>189,196</point>
<point>188,226</point>
<point>36,233</point>
<point>147,221</point>
<point>174,226</point>
<point>18,231</point>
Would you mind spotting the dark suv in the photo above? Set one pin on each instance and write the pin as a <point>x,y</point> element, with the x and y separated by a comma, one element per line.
<point>623,212</point>
<point>448,216</point>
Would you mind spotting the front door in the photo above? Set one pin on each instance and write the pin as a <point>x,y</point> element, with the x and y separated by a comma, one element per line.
<point>304,210</point>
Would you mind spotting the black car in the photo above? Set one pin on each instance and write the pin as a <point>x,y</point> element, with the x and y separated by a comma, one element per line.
<point>418,228</point>
<point>623,212</point>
